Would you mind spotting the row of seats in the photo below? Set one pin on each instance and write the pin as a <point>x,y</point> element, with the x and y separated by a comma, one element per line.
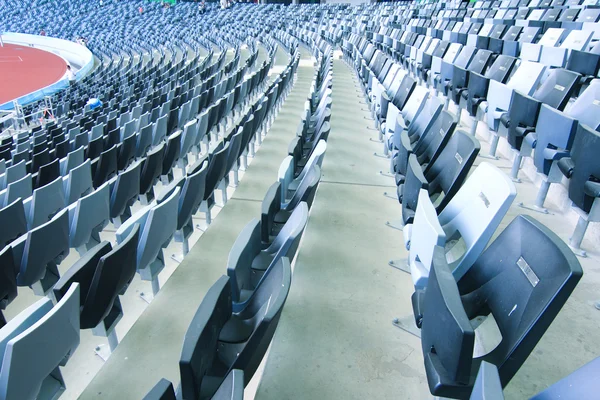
<point>235,323</point>
<point>87,294</point>
<point>517,283</point>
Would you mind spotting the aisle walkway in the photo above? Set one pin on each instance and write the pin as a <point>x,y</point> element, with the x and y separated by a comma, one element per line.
<point>152,347</point>
<point>335,339</point>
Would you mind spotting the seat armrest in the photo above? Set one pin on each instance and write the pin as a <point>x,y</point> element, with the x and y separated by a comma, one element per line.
<point>552,154</point>
<point>592,188</point>
<point>566,166</point>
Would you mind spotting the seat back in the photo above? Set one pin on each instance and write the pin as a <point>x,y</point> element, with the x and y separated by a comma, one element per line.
<point>151,168</point>
<point>13,173</point>
<point>583,154</point>
<point>190,130</point>
<point>580,384</point>
<point>474,213</point>
<point>47,243</point>
<point>13,222</point>
<point>447,337</point>
<point>144,141</point>
<point>45,203</point>
<point>160,130</point>
<point>558,88</point>
<point>78,183</point>
<point>125,190</point>
<point>201,342</point>
<point>30,368</point>
<point>106,166</point>
<point>90,213</point>
<point>157,230</point>
<point>172,152</point>
<point>425,233</point>
<point>428,149</point>
<point>8,279</point>
<point>555,133</point>
<point>266,303</point>
<point>22,188</point>
<point>72,160</point>
<point>48,173</point>
<point>452,166</point>
<point>192,194</point>
<point>113,272</point>
<point>216,169</point>
<point>525,276</point>
<point>586,109</point>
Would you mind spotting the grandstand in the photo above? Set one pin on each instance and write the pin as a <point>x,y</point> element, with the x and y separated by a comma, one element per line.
<point>299,201</point>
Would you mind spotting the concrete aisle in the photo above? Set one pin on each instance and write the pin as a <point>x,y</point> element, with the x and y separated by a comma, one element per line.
<point>335,339</point>
<point>152,347</point>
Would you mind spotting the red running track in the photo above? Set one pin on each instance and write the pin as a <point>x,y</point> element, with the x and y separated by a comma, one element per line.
<point>25,69</point>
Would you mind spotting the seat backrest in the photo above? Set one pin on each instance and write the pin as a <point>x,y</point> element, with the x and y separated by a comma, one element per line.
<point>106,166</point>
<point>525,276</point>
<point>447,337</point>
<point>114,272</point>
<point>450,169</point>
<point>474,214</point>
<point>232,387</point>
<point>89,213</point>
<point>48,173</point>
<point>415,104</point>
<point>192,194</point>
<point>216,169</point>
<point>487,384</point>
<point>557,89</point>
<point>239,262</point>
<point>29,365</point>
<point>144,141</point>
<point>45,203</point>
<point>586,108</point>
<point>160,130</point>
<point>527,77</point>
<point>13,222</point>
<point>151,168</point>
<point>78,183</point>
<point>22,188</point>
<point>72,160</point>
<point>425,233</point>
<point>163,390</point>
<point>8,279</point>
<point>190,130</point>
<point>428,149</point>
<point>266,303</point>
<point>47,243</point>
<point>157,229</point>
<point>172,152</point>
<point>555,132</point>
<point>125,190</point>
<point>13,173</point>
<point>201,340</point>
<point>583,154</point>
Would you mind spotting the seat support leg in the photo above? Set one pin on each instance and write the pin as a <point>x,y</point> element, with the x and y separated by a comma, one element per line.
<point>540,199</point>
<point>514,172</point>
<point>407,324</point>
<point>577,237</point>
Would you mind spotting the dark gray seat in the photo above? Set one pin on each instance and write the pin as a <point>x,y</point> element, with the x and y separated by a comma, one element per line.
<point>242,338</point>
<point>522,279</point>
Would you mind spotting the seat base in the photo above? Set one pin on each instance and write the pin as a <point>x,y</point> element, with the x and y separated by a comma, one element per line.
<point>401,264</point>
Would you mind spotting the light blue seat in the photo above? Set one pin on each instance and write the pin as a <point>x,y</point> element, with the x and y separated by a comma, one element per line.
<point>34,345</point>
<point>159,134</point>
<point>12,174</point>
<point>124,191</point>
<point>22,188</point>
<point>157,225</point>
<point>190,131</point>
<point>78,183</point>
<point>39,251</point>
<point>468,222</point>
<point>88,217</point>
<point>144,141</point>
<point>44,203</point>
<point>129,129</point>
<point>72,160</point>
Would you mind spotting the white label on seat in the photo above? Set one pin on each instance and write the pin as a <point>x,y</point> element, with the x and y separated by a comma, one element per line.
<point>501,68</point>
<point>558,87</point>
<point>458,158</point>
<point>526,269</point>
<point>442,132</point>
<point>596,102</point>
